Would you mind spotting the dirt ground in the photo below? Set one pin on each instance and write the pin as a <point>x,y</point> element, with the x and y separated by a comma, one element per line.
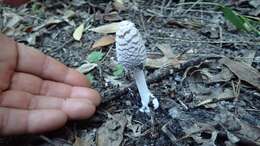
<point>203,70</point>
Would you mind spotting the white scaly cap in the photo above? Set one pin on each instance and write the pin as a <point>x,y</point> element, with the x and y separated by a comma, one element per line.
<point>131,53</point>
<point>130,49</point>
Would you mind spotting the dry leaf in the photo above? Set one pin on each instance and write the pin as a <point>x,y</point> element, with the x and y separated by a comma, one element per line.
<point>243,71</point>
<point>12,19</point>
<point>68,14</point>
<point>86,67</point>
<point>238,124</point>
<point>119,5</point>
<point>134,127</point>
<point>255,3</point>
<point>79,142</point>
<point>48,22</point>
<point>158,62</point>
<point>249,56</point>
<point>11,22</point>
<point>107,28</point>
<point>169,132</point>
<point>104,41</point>
<point>78,32</point>
<point>168,59</point>
<point>223,76</point>
<point>86,138</point>
<point>215,97</point>
<point>112,16</point>
<point>112,131</point>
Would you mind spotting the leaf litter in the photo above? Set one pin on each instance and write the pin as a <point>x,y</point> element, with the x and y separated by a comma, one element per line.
<point>111,132</point>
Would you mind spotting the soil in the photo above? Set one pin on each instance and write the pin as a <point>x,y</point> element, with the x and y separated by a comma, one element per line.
<point>203,101</point>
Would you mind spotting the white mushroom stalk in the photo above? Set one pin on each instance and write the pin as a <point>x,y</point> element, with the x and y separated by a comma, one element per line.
<point>131,53</point>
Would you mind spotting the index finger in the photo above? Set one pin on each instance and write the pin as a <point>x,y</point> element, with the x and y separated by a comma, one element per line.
<point>32,61</point>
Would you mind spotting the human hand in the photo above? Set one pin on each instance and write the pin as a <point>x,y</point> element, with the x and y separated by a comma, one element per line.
<point>14,2</point>
<point>39,94</point>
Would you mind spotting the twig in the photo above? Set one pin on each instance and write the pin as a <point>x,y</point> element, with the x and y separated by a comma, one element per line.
<point>153,78</point>
<point>183,104</point>
<point>152,13</point>
<point>162,7</point>
<point>193,5</point>
<point>64,44</point>
<point>236,89</point>
<point>220,36</point>
<point>47,140</point>
<point>108,52</point>
<point>168,4</point>
<point>201,3</point>
<point>210,42</point>
<point>153,129</point>
<point>143,24</point>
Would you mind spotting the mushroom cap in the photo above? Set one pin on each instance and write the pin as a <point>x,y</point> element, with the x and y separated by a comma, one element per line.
<point>130,49</point>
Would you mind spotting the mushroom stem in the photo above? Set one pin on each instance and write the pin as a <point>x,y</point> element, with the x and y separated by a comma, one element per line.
<point>144,91</point>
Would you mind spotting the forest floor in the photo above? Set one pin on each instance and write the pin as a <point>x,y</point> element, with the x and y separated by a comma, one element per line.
<point>203,70</point>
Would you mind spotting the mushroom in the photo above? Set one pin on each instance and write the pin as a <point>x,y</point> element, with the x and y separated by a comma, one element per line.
<point>131,53</point>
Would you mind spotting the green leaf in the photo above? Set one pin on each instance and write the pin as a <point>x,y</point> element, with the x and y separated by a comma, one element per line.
<point>95,56</point>
<point>37,9</point>
<point>118,71</point>
<point>233,17</point>
<point>249,24</point>
<point>90,77</point>
<point>241,22</point>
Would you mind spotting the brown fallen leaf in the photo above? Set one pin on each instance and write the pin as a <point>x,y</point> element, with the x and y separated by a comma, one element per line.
<point>243,71</point>
<point>104,41</point>
<point>48,22</point>
<point>158,62</point>
<point>107,28</point>
<point>168,59</point>
<point>209,77</point>
<point>112,131</point>
<point>247,133</point>
<point>213,97</point>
